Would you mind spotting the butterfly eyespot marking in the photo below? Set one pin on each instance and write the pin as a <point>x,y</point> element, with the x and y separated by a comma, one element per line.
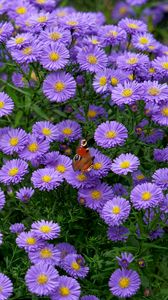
<point>77,157</point>
<point>83,143</point>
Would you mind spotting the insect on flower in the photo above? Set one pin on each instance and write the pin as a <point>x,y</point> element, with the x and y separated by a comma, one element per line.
<point>82,160</point>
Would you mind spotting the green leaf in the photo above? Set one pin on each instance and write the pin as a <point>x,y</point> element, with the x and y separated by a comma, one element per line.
<point>18,117</point>
<point>39,112</point>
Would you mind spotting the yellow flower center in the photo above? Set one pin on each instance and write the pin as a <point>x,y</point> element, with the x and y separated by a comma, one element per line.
<point>111,134</point>
<point>27,50</point>
<point>42,19</point>
<point>131,77</point>
<point>125,164</point>
<point>153,91</point>
<point>45,253</point>
<point>116,210</point>
<point>132,60</point>
<point>67,131</point>
<point>112,33</point>
<point>14,141</point>
<point>61,168</point>
<point>33,76</point>
<point>92,59</point>
<point>81,177</point>
<point>75,266</point>
<point>13,171</point>
<point>45,229</point>
<point>151,47</point>
<point>103,81</point>
<point>133,26</point>
<point>143,40</point>
<point>55,36</point>
<point>59,86</point>
<point>140,177</point>
<point>46,131</point>
<point>91,113</point>
<point>97,166</point>
<point>72,23</point>
<point>64,291</point>
<point>42,279</point>
<point>127,92</point>
<point>31,241</point>
<point>95,42</point>
<point>165,52</point>
<point>19,40</point>
<point>54,56</point>
<point>165,111</point>
<point>124,282</point>
<point>46,178</point>
<point>2,104</point>
<point>122,10</point>
<point>151,70</point>
<point>114,81</point>
<point>40,1</point>
<point>165,65</point>
<point>96,195</point>
<point>21,10</point>
<point>33,147</point>
<point>146,196</point>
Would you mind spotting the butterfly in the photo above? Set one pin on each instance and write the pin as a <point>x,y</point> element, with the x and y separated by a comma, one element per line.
<point>82,161</point>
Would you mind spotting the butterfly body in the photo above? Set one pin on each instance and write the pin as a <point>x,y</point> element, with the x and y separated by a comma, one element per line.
<point>82,160</point>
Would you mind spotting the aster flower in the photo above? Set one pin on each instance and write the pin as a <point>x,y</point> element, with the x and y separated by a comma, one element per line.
<point>13,141</point>
<point>27,54</point>
<point>136,2</point>
<point>95,112</point>
<point>42,279</point>
<point>118,233</point>
<point>126,93</point>
<point>21,8</point>
<point>130,61</point>
<point>161,154</point>
<point>47,5</point>
<point>151,137</point>
<point>111,35</point>
<point>154,92</point>
<point>6,104</point>
<point>65,249</point>
<point>119,190</point>
<point>55,34</point>
<point>100,82</point>
<point>69,130</point>
<point>6,287</point>
<point>40,19</point>
<point>110,133</point>
<point>116,211</point>
<point>45,129</point>
<point>138,177</point>
<point>62,165</point>
<point>142,41</point>
<point>17,228</point>
<point>59,86</point>
<point>54,56</point>
<point>125,163</point>
<point>101,163</point>
<point>161,115</point>
<point>13,171</point>
<point>161,65</point>
<point>6,30</point>
<point>120,10</point>
<point>74,265</point>
<point>28,241</point>
<point>48,254</point>
<point>19,80</point>
<point>2,199</point>
<point>47,230</point>
<point>78,179</point>
<point>46,179</point>
<point>124,283</point>
<point>160,178</point>
<point>68,289</point>
<point>19,41</point>
<point>115,77</point>
<point>125,259</point>
<point>92,59</point>
<point>146,195</point>
<point>89,297</point>
<point>50,158</point>
<point>24,194</point>
<point>155,234</point>
<point>132,26</point>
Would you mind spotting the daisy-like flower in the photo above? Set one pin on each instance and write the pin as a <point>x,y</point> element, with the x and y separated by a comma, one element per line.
<point>28,54</point>
<point>48,254</point>
<point>55,34</point>
<point>47,5</point>
<point>119,190</point>
<point>154,91</point>
<point>68,289</point>
<point>161,154</point>
<point>45,129</point>
<point>19,80</point>
<point>130,61</point>
<point>62,165</point>
<point>100,82</point>
<point>116,77</point>
<point>68,130</point>
<point>124,283</point>
<point>65,249</point>
<point>6,30</point>
<point>125,259</point>
<point>160,178</point>
<point>6,104</point>
<point>154,135</point>
<point>50,158</point>
<point>13,171</point>
<point>101,163</point>
<point>19,41</point>
<point>74,265</point>
<point>161,65</point>
<point>47,230</point>
<point>110,134</point>
<point>97,196</point>
<point>6,287</point>
<point>40,20</point>
<point>28,241</point>
<point>126,93</point>
<point>125,163</point>
<point>13,141</point>
<point>20,9</point>
<point>17,228</point>
<point>95,112</point>
<point>116,211</point>
<point>46,179</point>
<point>118,233</point>
<point>35,148</point>
<point>42,279</point>
<point>132,26</point>
<point>161,115</point>
<point>121,10</point>
<point>111,35</point>
<point>92,59</point>
<point>79,179</point>
<point>138,177</point>
<point>59,86</point>
<point>75,22</point>
<point>136,2</point>
<point>24,194</point>
<point>146,195</point>
<point>142,41</point>
<point>54,56</point>
<point>2,199</point>
<point>89,297</point>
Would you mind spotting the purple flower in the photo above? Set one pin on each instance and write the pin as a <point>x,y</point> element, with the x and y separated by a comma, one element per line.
<point>50,158</point>
<point>68,289</point>
<point>46,179</point>
<point>125,259</point>
<point>146,195</point>
<point>17,228</point>
<point>116,211</point>
<point>21,8</point>
<point>13,171</point>
<point>28,54</point>
<point>118,233</point>
<point>55,34</point>
<point>160,178</point>
<point>13,141</point>
<point>119,190</point>
<point>40,20</point>
<point>65,249</point>
<point>2,199</point>
<point>100,82</point>
<point>110,133</point>
<point>132,26</point>
<point>161,65</point>
<point>74,265</point>
<point>59,86</point>
<point>126,93</point>
<point>111,35</point>
<point>120,10</point>
<point>19,41</point>
<point>142,41</point>
<point>6,104</point>
<point>101,163</point>
<point>154,92</point>
<point>28,241</point>
<point>124,283</point>
<point>138,177</point>
<point>125,163</point>
<point>24,194</point>
<point>6,287</point>
<point>48,254</point>
<point>45,129</point>
<point>136,2</point>
<point>6,30</point>
<point>95,112</point>
<point>116,76</point>
<point>89,297</point>
<point>78,179</point>
<point>155,234</point>
<point>47,230</point>
<point>62,165</point>
<point>161,115</point>
<point>133,62</point>
<point>42,279</point>
<point>161,154</point>
<point>69,130</point>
